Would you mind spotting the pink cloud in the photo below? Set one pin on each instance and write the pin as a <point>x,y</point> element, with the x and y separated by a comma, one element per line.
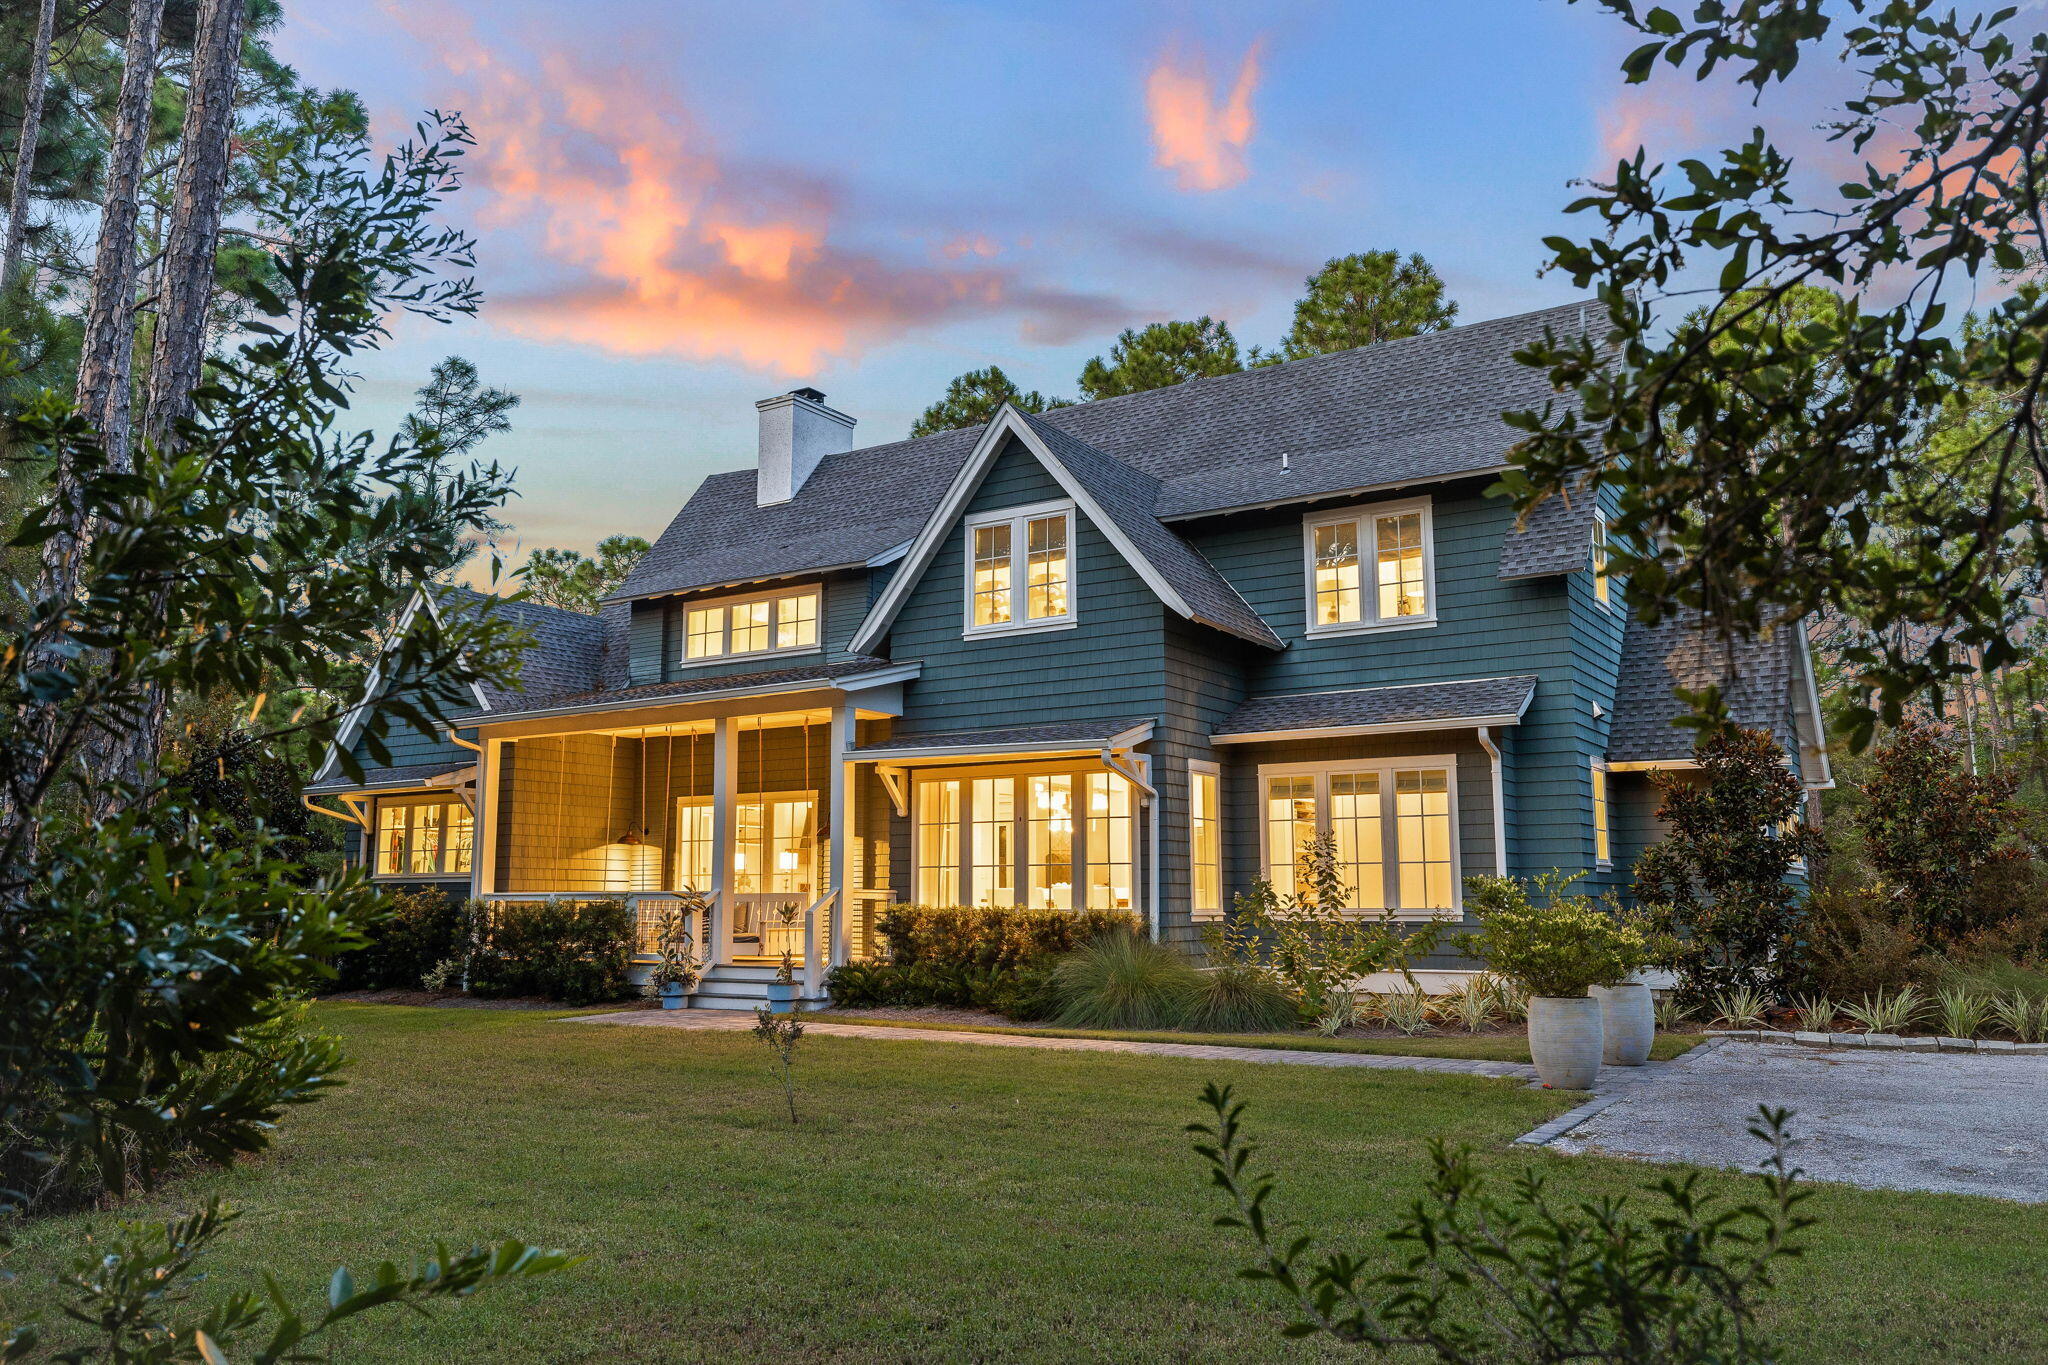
<point>662,246</point>
<point>1198,135</point>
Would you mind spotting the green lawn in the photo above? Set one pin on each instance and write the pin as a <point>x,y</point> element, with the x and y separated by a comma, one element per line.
<point>944,1202</point>
<point>1487,1047</point>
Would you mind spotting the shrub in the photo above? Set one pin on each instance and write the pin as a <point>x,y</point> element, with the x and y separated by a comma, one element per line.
<point>991,936</point>
<point>1962,1010</point>
<point>575,951</point>
<point>415,930</point>
<point>1557,949</point>
<point>1123,981</point>
<point>1852,946</point>
<point>1888,1011</point>
<point>1721,881</point>
<point>1235,998</point>
<point>1935,833</point>
<point>1308,940</point>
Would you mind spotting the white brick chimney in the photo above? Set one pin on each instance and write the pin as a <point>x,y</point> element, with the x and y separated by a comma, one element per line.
<point>797,431</point>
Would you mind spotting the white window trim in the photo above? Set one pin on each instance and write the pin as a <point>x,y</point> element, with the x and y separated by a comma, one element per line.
<point>1020,556</point>
<point>1597,560</point>
<point>1368,568</point>
<point>371,836</point>
<point>1198,767</point>
<point>963,869</point>
<point>1601,807</point>
<point>682,647</point>
<point>1390,869</point>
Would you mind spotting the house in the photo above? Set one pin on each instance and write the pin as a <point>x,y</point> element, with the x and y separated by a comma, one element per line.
<point>1125,654</point>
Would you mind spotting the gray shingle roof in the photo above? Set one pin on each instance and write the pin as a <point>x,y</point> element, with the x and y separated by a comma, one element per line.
<point>1422,407</point>
<point>1126,496</point>
<point>414,775</point>
<point>1556,537</point>
<point>727,682</point>
<point>566,653</point>
<point>1418,704</point>
<point>1072,734</point>
<point>1755,677</point>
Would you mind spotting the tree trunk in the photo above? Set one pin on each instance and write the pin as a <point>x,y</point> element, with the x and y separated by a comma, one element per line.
<point>106,366</point>
<point>25,147</point>
<point>179,347</point>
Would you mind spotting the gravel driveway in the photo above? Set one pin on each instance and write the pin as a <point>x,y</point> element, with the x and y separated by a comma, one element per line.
<point>1916,1121</point>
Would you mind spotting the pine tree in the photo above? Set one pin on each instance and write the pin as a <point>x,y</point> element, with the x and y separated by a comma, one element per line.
<point>1164,354</point>
<point>1367,297</point>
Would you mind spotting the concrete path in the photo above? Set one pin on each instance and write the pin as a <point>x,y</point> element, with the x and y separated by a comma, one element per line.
<point>736,1021</point>
<point>1964,1123</point>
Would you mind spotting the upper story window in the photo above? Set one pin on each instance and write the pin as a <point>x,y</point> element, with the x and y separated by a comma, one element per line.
<point>1603,590</point>
<point>783,622</point>
<point>1020,569</point>
<point>423,838</point>
<point>1370,568</point>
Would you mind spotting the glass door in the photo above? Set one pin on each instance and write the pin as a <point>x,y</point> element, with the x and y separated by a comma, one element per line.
<point>775,872</point>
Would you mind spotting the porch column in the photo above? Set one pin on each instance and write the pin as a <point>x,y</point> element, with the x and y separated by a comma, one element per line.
<point>725,754</point>
<point>838,851</point>
<point>483,853</point>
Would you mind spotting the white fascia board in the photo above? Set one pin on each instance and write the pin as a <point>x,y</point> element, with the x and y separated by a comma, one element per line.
<point>1394,727</point>
<point>373,684</point>
<point>1006,422</point>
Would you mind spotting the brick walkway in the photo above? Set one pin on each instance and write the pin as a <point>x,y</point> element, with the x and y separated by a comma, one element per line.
<point>733,1021</point>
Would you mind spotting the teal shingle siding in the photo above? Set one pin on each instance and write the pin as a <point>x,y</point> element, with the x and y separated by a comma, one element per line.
<point>655,635</point>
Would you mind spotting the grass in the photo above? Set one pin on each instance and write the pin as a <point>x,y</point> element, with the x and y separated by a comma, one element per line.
<point>942,1203</point>
<point>1486,1047</point>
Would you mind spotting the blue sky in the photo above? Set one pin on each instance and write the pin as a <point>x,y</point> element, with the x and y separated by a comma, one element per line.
<point>683,207</point>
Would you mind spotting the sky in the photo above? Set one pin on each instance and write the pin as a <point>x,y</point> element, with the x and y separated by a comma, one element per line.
<point>683,207</point>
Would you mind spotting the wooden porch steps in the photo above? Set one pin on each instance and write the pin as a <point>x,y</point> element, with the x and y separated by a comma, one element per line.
<point>733,986</point>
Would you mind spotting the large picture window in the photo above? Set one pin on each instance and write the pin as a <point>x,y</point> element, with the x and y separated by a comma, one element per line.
<point>1020,570</point>
<point>1060,839</point>
<point>771,623</point>
<point>1370,568</point>
<point>432,838</point>
<point>1394,824</point>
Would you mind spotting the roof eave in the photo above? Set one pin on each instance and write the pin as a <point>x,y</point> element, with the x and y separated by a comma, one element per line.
<point>1356,490</point>
<point>1391,727</point>
<point>735,582</point>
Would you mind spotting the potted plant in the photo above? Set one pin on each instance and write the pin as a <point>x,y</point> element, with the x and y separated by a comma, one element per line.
<point>676,971</point>
<point>782,990</point>
<point>1557,951</point>
<point>1628,1022</point>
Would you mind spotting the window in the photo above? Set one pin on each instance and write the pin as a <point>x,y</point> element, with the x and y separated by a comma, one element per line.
<point>1602,853</point>
<point>1602,590</point>
<point>777,623</point>
<point>430,838</point>
<point>1020,570</point>
<point>775,845</point>
<point>1393,823</point>
<point>1055,840</point>
<point>1370,568</point>
<point>693,844</point>
<point>1205,841</point>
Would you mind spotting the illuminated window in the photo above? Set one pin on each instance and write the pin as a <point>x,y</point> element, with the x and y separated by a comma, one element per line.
<point>769,624</point>
<point>775,846</point>
<point>1601,589</point>
<point>1290,824</point>
<point>1057,840</point>
<point>1601,851</point>
<point>693,844</point>
<point>1110,853</point>
<point>1050,838</point>
<point>938,843</point>
<point>1205,842</point>
<point>1392,824</point>
<point>432,838</point>
<point>1020,570</point>
<point>1350,589</point>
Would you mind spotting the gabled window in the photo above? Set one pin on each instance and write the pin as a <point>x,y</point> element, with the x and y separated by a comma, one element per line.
<point>1603,852</point>
<point>784,622</point>
<point>423,838</point>
<point>1603,590</point>
<point>1370,568</point>
<point>1020,569</point>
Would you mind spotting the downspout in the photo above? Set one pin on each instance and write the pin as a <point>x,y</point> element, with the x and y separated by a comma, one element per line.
<point>1500,819</point>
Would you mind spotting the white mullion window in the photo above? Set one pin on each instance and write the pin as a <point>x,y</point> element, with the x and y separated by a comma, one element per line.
<point>784,622</point>
<point>1370,568</point>
<point>1205,840</point>
<point>1603,586</point>
<point>1020,570</point>
<point>1057,838</point>
<point>415,838</point>
<point>1394,822</point>
<point>1603,850</point>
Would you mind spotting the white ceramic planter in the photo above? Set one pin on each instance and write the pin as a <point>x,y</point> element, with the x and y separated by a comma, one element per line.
<point>1564,1040</point>
<point>1628,1023</point>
